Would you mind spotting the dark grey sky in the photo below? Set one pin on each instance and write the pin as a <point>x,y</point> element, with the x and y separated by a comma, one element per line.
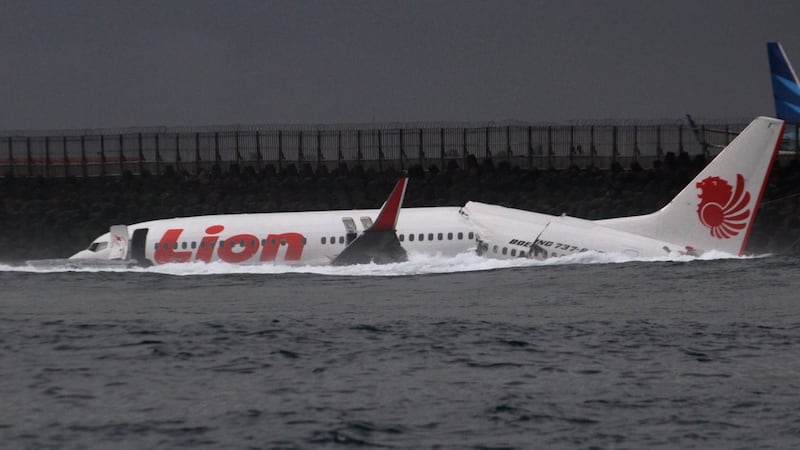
<point>87,64</point>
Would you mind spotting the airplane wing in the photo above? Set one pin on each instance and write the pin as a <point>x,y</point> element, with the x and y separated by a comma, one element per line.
<point>378,243</point>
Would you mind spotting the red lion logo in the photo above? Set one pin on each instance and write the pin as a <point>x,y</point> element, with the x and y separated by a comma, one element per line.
<point>721,209</point>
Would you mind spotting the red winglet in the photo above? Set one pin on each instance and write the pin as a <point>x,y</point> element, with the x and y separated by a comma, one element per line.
<point>387,218</point>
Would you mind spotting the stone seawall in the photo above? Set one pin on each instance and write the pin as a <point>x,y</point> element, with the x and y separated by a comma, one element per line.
<point>55,217</point>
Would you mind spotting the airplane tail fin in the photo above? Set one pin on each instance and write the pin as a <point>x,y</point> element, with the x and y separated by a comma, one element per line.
<point>717,209</point>
<point>785,85</point>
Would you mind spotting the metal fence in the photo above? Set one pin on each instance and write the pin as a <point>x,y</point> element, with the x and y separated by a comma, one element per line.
<point>113,152</point>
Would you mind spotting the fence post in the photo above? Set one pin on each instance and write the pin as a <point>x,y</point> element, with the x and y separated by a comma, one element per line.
<point>380,152</point>
<point>319,149</point>
<point>85,169</point>
<point>121,154</point>
<point>680,139</point>
<point>358,144</point>
<point>141,155</point>
<point>508,144</point>
<point>217,156</point>
<point>530,147</point>
<point>796,139</point>
<point>421,150</point>
<point>550,147</point>
<point>340,157</point>
<point>47,156</point>
<point>441,148</point>
<point>614,149</point>
<point>704,143</point>
<point>659,144</point>
<point>158,154</point>
<point>464,149</point>
<point>197,157</point>
<point>11,156</point>
<point>488,150</point>
<point>64,152</point>
<point>178,152</point>
<point>592,145</point>
<point>571,144</point>
<point>102,155</point>
<point>300,156</point>
<point>280,150</point>
<point>236,144</point>
<point>259,158</point>
<point>30,156</point>
<point>402,150</point>
<point>636,151</point>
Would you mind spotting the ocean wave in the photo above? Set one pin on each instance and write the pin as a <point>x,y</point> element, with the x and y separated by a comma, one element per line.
<point>417,264</point>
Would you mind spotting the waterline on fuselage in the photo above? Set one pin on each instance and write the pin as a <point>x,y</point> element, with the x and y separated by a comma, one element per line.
<point>417,264</point>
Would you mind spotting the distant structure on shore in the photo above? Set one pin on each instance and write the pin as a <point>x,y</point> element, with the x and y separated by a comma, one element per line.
<point>110,152</point>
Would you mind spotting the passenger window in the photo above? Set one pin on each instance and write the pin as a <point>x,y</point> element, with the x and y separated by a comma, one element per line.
<point>253,243</point>
<point>202,244</point>
<point>184,245</point>
<point>460,235</point>
<point>411,237</point>
<point>304,241</point>
<point>333,239</point>
<point>273,242</point>
<point>157,245</point>
<point>174,245</point>
<point>283,241</point>
<point>341,239</point>
<point>505,250</point>
<point>513,252</point>
<point>421,237</point>
<point>323,240</point>
<point>402,238</point>
<point>494,249</point>
<point>194,245</point>
<point>263,242</point>
<point>222,243</point>
<point>449,236</point>
<point>470,236</point>
<point>430,236</point>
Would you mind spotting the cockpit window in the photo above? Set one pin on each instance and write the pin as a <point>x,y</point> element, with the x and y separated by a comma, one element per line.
<point>98,246</point>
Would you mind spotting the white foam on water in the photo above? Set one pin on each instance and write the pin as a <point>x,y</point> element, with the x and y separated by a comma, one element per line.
<point>417,264</point>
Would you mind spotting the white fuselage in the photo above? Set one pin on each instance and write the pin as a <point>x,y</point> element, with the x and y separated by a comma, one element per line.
<point>715,211</point>
<point>313,237</point>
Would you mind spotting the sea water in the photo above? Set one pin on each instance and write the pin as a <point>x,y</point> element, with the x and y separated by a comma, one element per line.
<point>589,351</point>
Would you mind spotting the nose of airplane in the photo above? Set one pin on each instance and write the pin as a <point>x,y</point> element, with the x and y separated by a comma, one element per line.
<point>83,254</point>
<point>88,254</point>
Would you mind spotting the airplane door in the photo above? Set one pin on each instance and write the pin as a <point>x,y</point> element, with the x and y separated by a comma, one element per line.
<point>366,222</point>
<point>350,228</point>
<point>138,244</point>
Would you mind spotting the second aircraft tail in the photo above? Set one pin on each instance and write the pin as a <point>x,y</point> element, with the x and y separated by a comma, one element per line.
<point>785,85</point>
